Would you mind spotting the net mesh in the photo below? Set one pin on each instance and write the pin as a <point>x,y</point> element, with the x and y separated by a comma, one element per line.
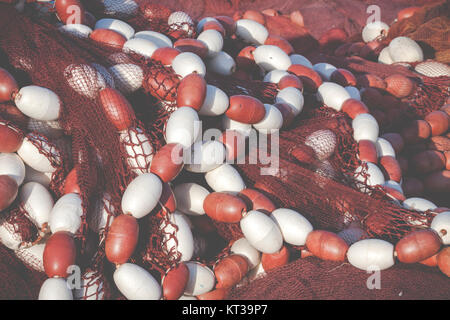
<point>333,200</point>
<point>318,279</point>
<point>30,259</point>
<point>105,162</point>
<point>321,186</point>
<point>430,28</point>
<point>430,93</point>
<point>17,281</point>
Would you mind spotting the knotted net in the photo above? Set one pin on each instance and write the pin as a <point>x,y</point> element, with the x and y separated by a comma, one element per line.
<point>323,190</point>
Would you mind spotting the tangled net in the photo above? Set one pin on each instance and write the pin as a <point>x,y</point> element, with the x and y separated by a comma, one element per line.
<point>324,190</point>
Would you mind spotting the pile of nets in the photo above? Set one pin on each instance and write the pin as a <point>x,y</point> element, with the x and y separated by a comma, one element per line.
<point>35,52</point>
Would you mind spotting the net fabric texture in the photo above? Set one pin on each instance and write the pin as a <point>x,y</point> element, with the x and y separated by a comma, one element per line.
<point>18,225</point>
<point>429,95</point>
<point>332,201</point>
<point>326,280</point>
<point>17,281</point>
<point>142,15</point>
<point>335,13</point>
<point>101,158</point>
<point>430,28</point>
<point>84,120</point>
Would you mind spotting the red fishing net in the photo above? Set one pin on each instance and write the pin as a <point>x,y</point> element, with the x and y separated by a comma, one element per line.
<point>316,175</point>
<point>142,15</point>
<point>331,201</point>
<point>22,231</point>
<point>106,160</point>
<point>17,281</point>
<point>430,93</point>
<point>429,27</point>
<point>318,279</point>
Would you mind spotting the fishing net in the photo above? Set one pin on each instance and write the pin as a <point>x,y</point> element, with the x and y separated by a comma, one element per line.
<point>429,27</point>
<point>315,176</point>
<point>18,282</point>
<point>21,230</point>
<point>430,93</point>
<point>332,201</point>
<point>142,15</point>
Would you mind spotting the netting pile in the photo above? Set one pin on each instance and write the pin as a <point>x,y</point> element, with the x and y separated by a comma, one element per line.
<point>320,185</point>
<point>430,28</point>
<point>318,279</point>
<point>101,155</point>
